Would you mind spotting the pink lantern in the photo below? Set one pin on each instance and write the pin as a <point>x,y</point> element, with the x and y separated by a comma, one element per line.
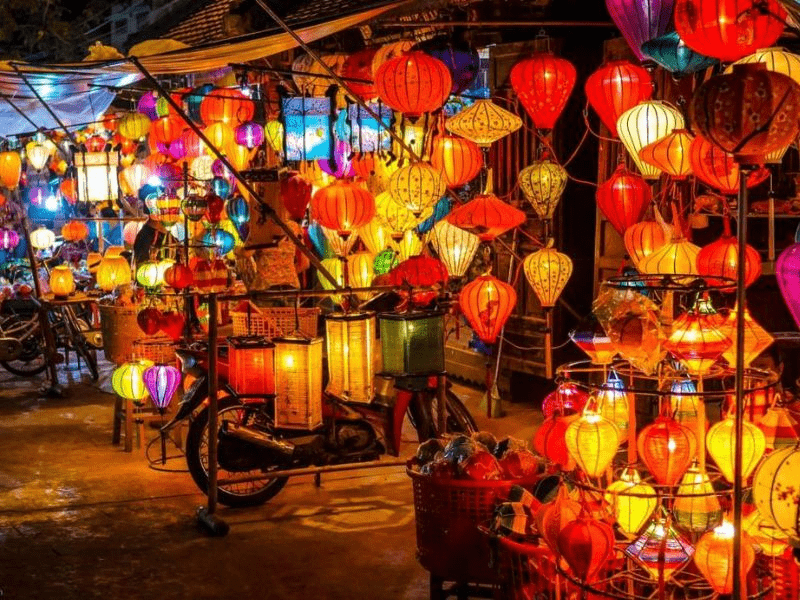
<point>787,272</point>
<point>9,239</point>
<point>162,382</point>
<point>340,166</point>
<point>250,134</point>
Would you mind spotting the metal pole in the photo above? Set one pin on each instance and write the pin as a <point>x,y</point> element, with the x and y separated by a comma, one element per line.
<point>490,409</point>
<point>46,106</point>
<point>490,24</point>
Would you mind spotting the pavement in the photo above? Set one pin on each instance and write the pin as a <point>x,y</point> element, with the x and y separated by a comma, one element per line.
<point>82,519</point>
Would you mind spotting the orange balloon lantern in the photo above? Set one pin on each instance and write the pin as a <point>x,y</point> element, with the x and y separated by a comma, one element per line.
<point>670,154</point>
<point>10,169</point>
<point>614,88</point>
<point>166,130</point>
<point>714,557</point>
<point>69,189</point>
<point>413,83</point>
<point>487,303</point>
<point>229,106</point>
<point>586,544</point>
<point>623,198</point>
<point>486,215</point>
<point>178,276</point>
<point>667,448</point>
<point>720,259</point>
<point>74,231</point>
<point>343,207</point>
<point>697,340</point>
<point>553,517</point>
<point>543,83</point>
<point>715,167</point>
<point>458,159</point>
<point>644,238</point>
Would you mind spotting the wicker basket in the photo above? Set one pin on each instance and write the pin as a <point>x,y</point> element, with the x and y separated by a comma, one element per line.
<point>275,322</point>
<point>160,350</point>
<point>120,331</point>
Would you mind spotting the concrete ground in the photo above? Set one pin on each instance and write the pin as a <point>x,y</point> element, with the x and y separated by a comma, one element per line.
<point>82,519</point>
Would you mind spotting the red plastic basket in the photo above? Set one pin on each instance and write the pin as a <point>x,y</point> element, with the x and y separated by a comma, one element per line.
<point>528,571</point>
<point>786,577</point>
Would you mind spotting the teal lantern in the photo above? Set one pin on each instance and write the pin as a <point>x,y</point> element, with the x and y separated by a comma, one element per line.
<point>440,211</point>
<point>219,239</point>
<point>221,187</point>
<point>194,99</point>
<point>412,343</point>
<point>307,127</point>
<point>670,52</point>
<point>238,210</point>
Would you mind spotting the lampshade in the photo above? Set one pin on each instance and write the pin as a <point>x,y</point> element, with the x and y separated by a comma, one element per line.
<point>543,83</point>
<point>350,343</point>
<point>226,105</point>
<point>42,238</point>
<point>696,507</point>
<point>298,382</point>
<point>483,122</point>
<point>97,175</point>
<point>613,402</point>
<point>251,365</point>
<point>417,186</point>
<point>714,557</point>
<point>697,340</point>
<point>641,20</point>
<point>614,88</point>
<point>721,443</point>
<point>667,448</point>
<point>358,66</point>
<point>644,124</point>
<point>623,198</point>
<point>113,272</point>
<point>632,501</point>
<point>547,271</point>
<point>543,184</point>
<point>592,441</point>
<point>776,493</point>
<point>670,154</point>
<point>487,303</point>
<point>549,440</point>
<point>127,380</point>
<point>644,238</point>
<point>412,343</point>
<point>62,283</point>
<point>455,247</point>
<point>161,382</point>
<point>660,549</point>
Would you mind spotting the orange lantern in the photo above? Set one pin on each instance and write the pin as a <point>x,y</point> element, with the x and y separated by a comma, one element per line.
<point>178,276</point>
<point>677,257</point>
<point>715,167</point>
<point>713,556</point>
<point>343,207</point>
<point>615,87</point>
<point>69,189</point>
<point>586,544</point>
<point>486,215</point>
<point>10,169</point>
<point>623,198</point>
<point>251,365</point>
<point>543,84</point>
<point>458,159</point>
<point>358,66</point>
<point>487,303</point>
<point>667,448</point>
<point>697,340</point>
<point>413,83</point>
<point>166,130</point>
<point>74,231</point>
<point>670,154</point>
<point>229,106</point>
<point>720,259</point>
<point>644,238</point>
<point>220,134</point>
<point>553,517</point>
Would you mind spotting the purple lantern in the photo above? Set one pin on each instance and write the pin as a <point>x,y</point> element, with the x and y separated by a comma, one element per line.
<point>463,63</point>
<point>9,239</point>
<point>787,272</point>
<point>249,134</point>
<point>641,20</point>
<point>151,105</point>
<point>162,382</point>
<point>341,165</point>
<point>177,149</point>
<point>220,170</point>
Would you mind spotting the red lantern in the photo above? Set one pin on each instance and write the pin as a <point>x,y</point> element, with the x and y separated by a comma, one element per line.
<point>716,168</point>
<point>296,194</point>
<point>343,207</point>
<point>552,517</point>
<point>459,159</point>
<point>586,544</point>
<point>487,303</point>
<point>750,112</point>
<point>166,130</point>
<point>623,198</point>
<point>566,399</point>
<point>615,87</point>
<point>720,259</point>
<point>149,320</point>
<point>549,440</point>
<point>359,66</point>
<point>214,207</point>
<point>670,154</point>
<point>69,189</point>
<point>667,448</point>
<point>420,271</point>
<point>413,83</point>
<point>193,146</point>
<point>96,143</point>
<point>729,29</point>
<point>172,323</point>
<point>543,83</point>
<point>486,216</point>
<point>228,106</point>
<point>251,365</point>
<point>74,231</point>
<point>178,276</point>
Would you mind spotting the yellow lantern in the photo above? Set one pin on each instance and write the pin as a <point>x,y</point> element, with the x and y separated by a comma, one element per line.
<point>714,557</point>
<point>220,135</point>
<point>644,238</point>
<point>645,123</point>
<point>239,156</point>
<point>456,247</point>
<point>62,283</point>
<point>684,403</point>
<point>410,245</point>
<point>776,491</point>
<point>93,261</point>
<point>360,272</point>
<point>613,403</point>
<point>483,123</point>
<point>42,238</point>
<point>149,274</point>
<point>721,443</point>
<point>395,216</point>
<point>418,187</point>
<point>678,257</point>
<point>592,441</point>
<point>351,344</point>
<point>133,177</point>
<point>696,507</point>
<point>632,501</point>
<point>273,131</point>
<point>113,272</point>
<point>98,180</point>
<point>298,382</point>
<point>37,155</point>
<point>114,251</point>
<point>543,183</point>
<point>375,235</point>
<point>134,125</point>
<point>547,270</point>
<point>756,338</point>
<point>770,541</point>
<point>127,380</point>
<point>334,267</point>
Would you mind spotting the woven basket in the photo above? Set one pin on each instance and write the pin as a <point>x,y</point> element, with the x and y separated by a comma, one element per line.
<point>160,350</point>
<point>120,331</point>
<point>275,322</point>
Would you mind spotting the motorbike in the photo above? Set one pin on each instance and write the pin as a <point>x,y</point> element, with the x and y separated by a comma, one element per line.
<point>250,444</point>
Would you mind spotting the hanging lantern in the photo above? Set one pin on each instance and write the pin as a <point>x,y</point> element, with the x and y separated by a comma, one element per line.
<point>729,29</point>
<point>166,130</point>
<point>417,186</point>
<point>394,216</point>
<point>592,441</point>
<point>98,180</point>
<point>298,382</point>
<point>274,132</point>
<point>360,273</point>
<point>161,382</point>
<point>623,198</point>
<point>543,184</point>
<point>178,276</point>
<point>358,66</point>
<point>669,52</point>
<point>219,240</point>
<point>220,134</point>
<point>69,190</point>
<point>127,380</point>
<point>230,106</point>
<point>74,231</point>
<point>721,442</point>
<point>677,257</point>
<point>458,159</point>
<point>376,236</point>
<point>696,507</point>
<point>543,84</point>
<point>455,247</point>
<point>756,338</point>
<point>487,303</point>
<point>776,493</point>
<point>641,20</point>
<point>133,178</point>
<point>615,87</point>
<point>37,155</point>
<point>717,168</point>
<point>720,258</point>
<point>595,343</point>
<point>413,83</point>
<point>769,541</point>
<point>644,124</point>
<point>632,501</point>
<point>385,261</point>
<point>684,403</point>
<point>296,194</point>
<point>787,268</point>
<point>412,343</point>
<point>350,343</point>
<point>9,239</point>
<point>660,549</point>
<point>238,210</point>
<point>483,122</point>
<point>10,169</point>
<point>113,271</point>
<point>759,106</point>
<point>644,238</point>
<point>409,246</point>
<point>566,399</point>
<point>134,126</point>
<point>547,271</point>
<point>667,448</point>
<point>249,134</point>
<point>586,545</point>
<point>486,215</point>
<point>251,366</point>
<point>463,63</point>
<point>62,283</point>
<point>42,238</point>
<point>420,271</point>
<point>549,440</point>
<point>342,207</point>
<point>389,51</point>
<point>613,403</point>
<point>697,340</point>
<point>336,269</point>
<point>714,557</point>
<point>149,274</point>
<point>552,517</point>
<point>780,428</point>
<point>670,154</point>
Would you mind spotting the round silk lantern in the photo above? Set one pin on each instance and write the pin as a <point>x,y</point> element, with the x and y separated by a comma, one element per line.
<point>166,130</point>
<point>543,184</point>
<point>623,198</point>
<point>717,168</point>
<point>134,126</point>
<point>670,154</point>
<point>249,134</point>
<point>113,271</point>
<point>226,105</point>
<point>644,124</point>
<point>776,493</point>
<point>342,207</point>
<point>417,186</point>
<point>10,169</point>
<point>671,53</point>
<point>720,259</point>
<point>9,239</point>
<point>644,238</point>
<point>641,20</point>
<point>162,382</point>
<point>729,29</point>
<point>721,443</point>
<point>543,84</point>
<point>462,62</point>
<point>455,247</point>
<point>358,66</point>
<point>376,236</point>
<point>486,215</point>
<point>616,87</point>
<point>748,113</point>
<point>296,194</point>
<point>713,556</point>
<point>389,51</point>
<point>586,545</point>
<point>592,440</point>
<point>149,275</point>
<point>178,276</point>
<point>667,448</point>
<point>42,238</point>
<point>697,340</point>
<point>696,507</point>
<point>420,271</point>
<point>483,123</point>
<point>238,210</point>
<point>549,441</point>
<point>62,282</point>
<point>632,501</point>
<point>219,240</point>
<point>487,303</point>
<point>677,257</point>
<point>458,159</point>
<point>395,216</point>
<point>214,206</point>
<point>127,380</point>
<point>74,231</point>
<point>567,398</point>
<point>37,155</point>
<point>547,271</point>
<point>413,83</point>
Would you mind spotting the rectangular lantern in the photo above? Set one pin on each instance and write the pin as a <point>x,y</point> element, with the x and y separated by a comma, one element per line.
<point>251,365</point>
<point>307,127</point>
<point>412,343</point>
<point>97,175</point>
<point>298,383</point>
<point>351,343</point>
<point>366,134</point>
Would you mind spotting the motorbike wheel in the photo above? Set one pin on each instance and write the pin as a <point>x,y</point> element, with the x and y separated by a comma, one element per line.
<point>235,495</point>
<point>32,361</point>
<point>424,416</point>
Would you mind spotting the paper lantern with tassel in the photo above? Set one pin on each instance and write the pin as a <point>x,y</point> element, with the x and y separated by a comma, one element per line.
<point>644,124</point>
<point>549,440</point>
<point>548,271</point>
<point>776,492</point>
<point>756,338</point>
<point>543,184</point>
<point>780,428</point>
<point>543,84</point>
<point>697,340</point>
<point>417,186</point>
<point>718,169</point>
<point>713,557</point>
<point>670,154</point>
<point>486,215</point>
<point>613,403</point>
<point>487,303</point>
<point>553,517</point>
<point>667,448</point>
<point>350,343</point>
<point>586,545</point>
<point>458,159</point>
<point>342,207</point>
<point>641,20</point>
<point>632,501</point>
<point>660,549</point>
<point>483,123</point>
<point>696,507</point>
<point>592,440</point>
<point>614,88</point>
<point>721,443</point>
<point>455,247</point>
<point>413,83</point>
<point>644,238</point>
<point>623,198</point>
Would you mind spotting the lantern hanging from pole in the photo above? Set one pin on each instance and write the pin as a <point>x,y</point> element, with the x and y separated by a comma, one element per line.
<point>133,178</point>
<point>696,507</point>
<point>677,257</point>
<point>669,52</point>
<point>350,342</point>
<point>660,549</point>
<point>714,557</point>
<point>592,441</point>
<point>166,130</point>
<point>74,231</point>
<point>413,83</point>
<point>543,84</point>
<point>42,238</point>
<point>238,210</point>
<point>342,207</point>
<point>417,186</point>
<point>412,343</point>
<point>697,339</point>
<point>113,271</point>
<point>226,105</point>
<point>455,247</point>
<point>360,272</point>
<point>97,175</point>
<point>458,159</point>
<point>463,63</point>
<point>644,124</point>
<point>161,382</point>
<point>420,271</point>
<point>632,501</point>
<point>718,169</point>
<point>543,184</point>
<point>274,134</point>
<point>296,194</point>
<point>667,448</point>
<point>729,29</point>
<point>547,271</point>
<point>483,122</point>
<point>549,441</point>
<point>62,282</point>
<point>756,338</point>
<point>780,428</point>
<point>615,87</point>
<point>770,541</point>
<point>486,215</point>
<point>641,20</point>
<point>644,238</point>
<point>9,239</point>
<point>670,154</point>
<point>683,402</point>
<point>178,276</point>
<point>251,365</point>
<point>720,258</point>
<point>249,134</point>
<point>552,517</point>
<point>721,443</point>
<point>749,113</point>
<point>127,380</point>
<point>613,403</point>
<point>37,155</point>
<point>623,198</point>
<point>566,399</point>
<point>148,274</point>
<point>298,382</point>
<point>394,216</point>
<point>358,66</point>
<point>586,545</point>
<point>487,303</point>
<point>134,125</point>
<point>776,492</point>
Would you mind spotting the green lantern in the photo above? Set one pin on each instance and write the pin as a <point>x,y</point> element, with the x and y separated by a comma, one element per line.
<point>385,261</point>
<point>412,343</point>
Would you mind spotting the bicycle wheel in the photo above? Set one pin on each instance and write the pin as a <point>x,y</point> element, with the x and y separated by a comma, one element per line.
<point>79,344</point>
<point>31,362</point>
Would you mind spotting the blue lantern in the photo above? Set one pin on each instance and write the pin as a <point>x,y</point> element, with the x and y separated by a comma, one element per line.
<point>194,99</point>
<point>319,241</point>
<point>463,64</point>
<point>670,52</point>
<point>219,239</point>
<point>221,187</point>
<point>307,127</point>
<point>238,210</point>
<point>440,211</point>
<point>366,134</point>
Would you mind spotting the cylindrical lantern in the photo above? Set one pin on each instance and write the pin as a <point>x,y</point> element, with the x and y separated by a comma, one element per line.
<point>455,247</point>
<point>641,20</point>
<point>670,154</point>
<point>696,507</point>
<point>342,207</point>
<point>487,303</point>
<point>592,441</point>
<point>10,169</point>
<point>667,448</point>
<point>97,176</point>
<point>112,272</point>
<point>632,501</point>
<point>713,556</point>
<point>412,343</point>
<point>417,186</point>
<point>483,122</point>
<point>644,124</point>
<point>161,382</point>
<point>251,369</point>
<point>548,271</point>
<point>721,443</point>
<point>614,88</point>
<point>623,198</point>
<point>413,83</point>
<point>543,184</point>
<point>458,159</point>
<point>350,342</point>
<point>42,238</point>
<point>298,382</point>
<point>776,492</point>
<point>543,84</point>
<point>62,282</point>
<point>127,380</point>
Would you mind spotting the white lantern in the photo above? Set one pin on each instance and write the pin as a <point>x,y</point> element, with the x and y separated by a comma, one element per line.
<point>42,238</point>
<point>98,180</point>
